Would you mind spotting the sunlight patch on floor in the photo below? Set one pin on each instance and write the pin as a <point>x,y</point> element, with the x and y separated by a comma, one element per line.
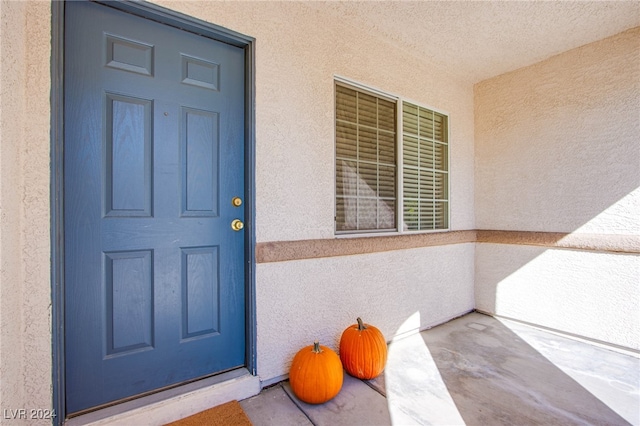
<point>415,389</point>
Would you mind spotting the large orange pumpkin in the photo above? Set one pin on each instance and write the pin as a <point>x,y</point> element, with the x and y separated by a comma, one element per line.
<point>363,350</point>
<point>316,374</point>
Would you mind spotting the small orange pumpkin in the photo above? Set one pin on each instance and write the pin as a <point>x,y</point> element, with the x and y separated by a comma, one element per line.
<point>316,374</point>
<point>363,350</point>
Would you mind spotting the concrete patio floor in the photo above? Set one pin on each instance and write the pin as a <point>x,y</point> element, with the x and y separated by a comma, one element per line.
<point>475,370</point>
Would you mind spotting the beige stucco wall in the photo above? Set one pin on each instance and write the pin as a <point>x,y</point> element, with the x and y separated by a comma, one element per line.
<point>401,291</point>
<point>557,149</point>
<point>299,49</point>
<point>588,294</point>
<point>25,289</point>
<point>557,142</point>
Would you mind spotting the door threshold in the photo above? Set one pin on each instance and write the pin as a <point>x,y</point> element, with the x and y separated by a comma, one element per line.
<point>175,403</point>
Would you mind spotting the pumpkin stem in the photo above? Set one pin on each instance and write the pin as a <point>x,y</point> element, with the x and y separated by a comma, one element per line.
<point>361,325</point>
<point>316,347</point>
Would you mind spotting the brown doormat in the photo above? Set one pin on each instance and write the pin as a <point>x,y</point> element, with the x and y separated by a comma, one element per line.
<point>228,414</point>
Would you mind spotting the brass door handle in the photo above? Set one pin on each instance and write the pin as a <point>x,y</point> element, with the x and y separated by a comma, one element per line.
<point>237,225</point>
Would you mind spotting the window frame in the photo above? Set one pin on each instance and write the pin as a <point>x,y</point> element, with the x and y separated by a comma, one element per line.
<point>399,162</point>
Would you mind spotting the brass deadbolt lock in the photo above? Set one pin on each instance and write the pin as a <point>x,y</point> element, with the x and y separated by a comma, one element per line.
<point>236,201</point>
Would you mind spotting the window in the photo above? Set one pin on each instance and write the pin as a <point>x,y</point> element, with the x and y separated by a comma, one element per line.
<point>365,161</point>
<point>425,177</point>
<point>371,169</point>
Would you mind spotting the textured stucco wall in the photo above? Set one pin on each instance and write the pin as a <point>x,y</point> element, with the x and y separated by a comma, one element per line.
<point>299,49</point>
<point>557,149</point>
<point>587,294</point>
<point>399,291</point>
<point>557,142</point>
<point>25,289</point>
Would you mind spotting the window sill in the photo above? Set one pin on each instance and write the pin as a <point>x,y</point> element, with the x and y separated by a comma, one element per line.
<point>389,233</point>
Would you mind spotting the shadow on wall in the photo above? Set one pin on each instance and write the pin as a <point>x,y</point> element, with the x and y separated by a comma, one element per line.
<point>476,370</point>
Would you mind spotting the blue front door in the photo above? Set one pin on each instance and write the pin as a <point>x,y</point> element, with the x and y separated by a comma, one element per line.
<point>153,160</point>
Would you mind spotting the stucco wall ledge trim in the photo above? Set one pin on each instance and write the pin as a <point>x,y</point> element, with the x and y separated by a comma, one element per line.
<point>281,251</point>
<point>615,243</point>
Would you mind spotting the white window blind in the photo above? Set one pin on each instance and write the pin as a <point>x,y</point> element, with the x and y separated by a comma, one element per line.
<point>425,168</point>
<point>365,161</point>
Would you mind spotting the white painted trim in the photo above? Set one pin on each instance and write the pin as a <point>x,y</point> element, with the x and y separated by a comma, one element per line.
<point>399,139</point>
<point>275,380</point>
<point>365,88</point>
<point>423,105</point>
<point>177,403</point>
<point>366,234</point>
<point>399,169</point>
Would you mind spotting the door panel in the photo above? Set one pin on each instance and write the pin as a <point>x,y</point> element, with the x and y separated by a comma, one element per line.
<point>153,155</point>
